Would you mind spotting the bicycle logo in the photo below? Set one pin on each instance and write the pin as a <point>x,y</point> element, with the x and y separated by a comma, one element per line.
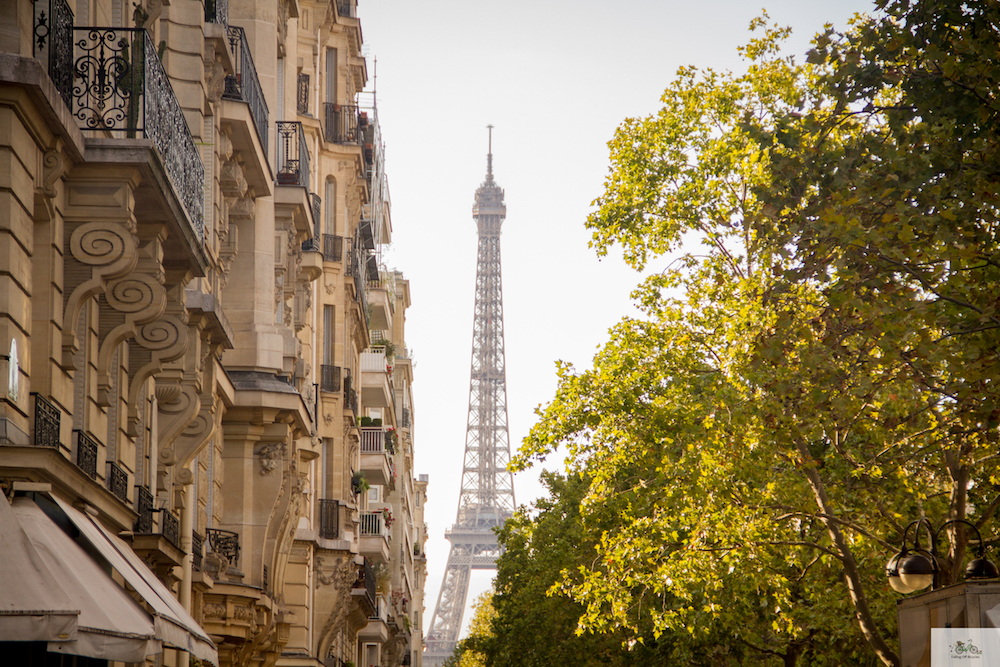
<point>965,648</point>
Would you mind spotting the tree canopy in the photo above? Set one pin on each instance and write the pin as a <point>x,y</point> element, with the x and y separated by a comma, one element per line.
<point>816,364</point>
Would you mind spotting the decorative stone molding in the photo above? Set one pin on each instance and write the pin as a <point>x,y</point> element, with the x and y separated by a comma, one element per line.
<point>215,75</point>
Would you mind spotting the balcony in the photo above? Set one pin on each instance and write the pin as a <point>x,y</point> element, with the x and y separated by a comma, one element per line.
<point>243,85</point>
<point>364,587</point>
<point>144,509</point>
<point>47,418</point>
<point>342,123</point>
<point>224,543</point>
<point>375,461</point>
<point>381,305</point>
<point>329,378</point>
<point>118,89</point>
<point>118,481</point>
<point>333,248</point>
<point>374,536</point>
<point>329,519</point>
<point>217,11</point>
<point>86,454</point>
<point>350,393</point>
<point>293,156</point>
<point>376,386</point>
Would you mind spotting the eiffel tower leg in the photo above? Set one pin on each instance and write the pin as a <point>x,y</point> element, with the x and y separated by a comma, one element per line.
<point>447,620</point>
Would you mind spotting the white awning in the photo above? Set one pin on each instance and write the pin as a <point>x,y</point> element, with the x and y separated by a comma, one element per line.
<point>108,624</point>
<point>173,625</point>
<point>32,606</point>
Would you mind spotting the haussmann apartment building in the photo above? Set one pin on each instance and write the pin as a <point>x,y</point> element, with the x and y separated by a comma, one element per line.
<point>206,415</point>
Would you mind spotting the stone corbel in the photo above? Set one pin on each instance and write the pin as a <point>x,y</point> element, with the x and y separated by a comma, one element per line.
<point>109,251</point>
<point>54,165</point>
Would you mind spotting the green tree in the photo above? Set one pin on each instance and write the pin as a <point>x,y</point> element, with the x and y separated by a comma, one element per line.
<point>824,367</point>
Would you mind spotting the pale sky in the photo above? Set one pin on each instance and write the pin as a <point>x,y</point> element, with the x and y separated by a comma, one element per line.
<point>555,78</point>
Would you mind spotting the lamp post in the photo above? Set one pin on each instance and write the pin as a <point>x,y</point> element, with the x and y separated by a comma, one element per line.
<point>914,569</point>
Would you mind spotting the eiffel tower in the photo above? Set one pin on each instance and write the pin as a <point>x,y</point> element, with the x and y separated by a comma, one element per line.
<point>487,496</point>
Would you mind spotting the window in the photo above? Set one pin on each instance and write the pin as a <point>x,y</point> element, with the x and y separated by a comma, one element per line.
<point>328,330</point>
<point>331,207</point>
<point>331,76</point>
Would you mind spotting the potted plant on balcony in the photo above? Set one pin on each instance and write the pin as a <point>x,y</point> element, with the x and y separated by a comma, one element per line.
<point>390,440</point>
<point>365,421</point>
<point>387,516</point>
<point>359,484</point>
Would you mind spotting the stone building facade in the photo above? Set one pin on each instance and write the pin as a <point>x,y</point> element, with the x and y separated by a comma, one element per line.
<point>206,382</point>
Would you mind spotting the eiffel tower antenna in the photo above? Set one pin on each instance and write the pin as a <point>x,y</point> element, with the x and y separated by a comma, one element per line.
<point>487,495</point>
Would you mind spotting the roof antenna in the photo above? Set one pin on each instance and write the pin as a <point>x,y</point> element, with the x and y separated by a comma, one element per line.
<point>489,156</point>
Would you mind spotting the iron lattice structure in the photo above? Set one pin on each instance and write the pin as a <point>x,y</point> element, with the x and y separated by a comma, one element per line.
<point>487,495</point>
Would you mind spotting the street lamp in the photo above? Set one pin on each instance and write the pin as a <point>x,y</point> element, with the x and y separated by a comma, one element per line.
<point>914,569</point>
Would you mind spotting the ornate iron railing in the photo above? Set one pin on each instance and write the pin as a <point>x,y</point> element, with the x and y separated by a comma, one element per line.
<point>244,86</point>
<point>317,209</point>
<point>341,123</point>
<point>346,8</point>
<point>118,481</point>
<point>86,454</point>
<point>120,89</point>
<point>333,248</point>
<point>54,44</point>
<point>350,394</point>
<point>366,580</point>
<point>293,156</point>
<point>197,549</point>
<point>170,527</point>
<point>47,418</point>
<point>217,11</point>
<point>144,509</point>
<point>329,378</point>
<point>366,231</point>
<point>226,543</point>
<point>302,98</point>
<point>265,578</point>
<point>329,519</point>
<point>405,423</point>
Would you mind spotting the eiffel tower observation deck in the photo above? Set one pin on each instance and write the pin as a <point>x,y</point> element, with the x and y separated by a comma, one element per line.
<point>487,495</point>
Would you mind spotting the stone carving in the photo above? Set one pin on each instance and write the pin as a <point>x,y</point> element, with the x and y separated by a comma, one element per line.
<point>215,75</point>
<point>214,610</point>
<point>269,456</point>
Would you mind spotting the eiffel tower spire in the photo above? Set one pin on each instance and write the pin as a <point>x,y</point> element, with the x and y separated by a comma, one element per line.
<point>487,495</point>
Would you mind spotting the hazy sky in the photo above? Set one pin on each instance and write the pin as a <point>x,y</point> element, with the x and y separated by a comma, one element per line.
<point>555,78</point>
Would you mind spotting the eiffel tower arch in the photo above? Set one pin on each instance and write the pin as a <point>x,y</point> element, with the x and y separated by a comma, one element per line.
<point>487,494</point>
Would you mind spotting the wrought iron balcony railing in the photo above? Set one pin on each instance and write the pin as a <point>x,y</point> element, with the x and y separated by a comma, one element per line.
<point>47,421</point>
<point>333,248</point>
<point>329,378</point>
<point>350,394</point>
<point>366,580</point>
<point>170,527</point>
<point>54,44</point>
<point>293,155</point>
<point>329,519</point>
<point>405,423</point>
<point>118,481</point>
<point>244,86</point>
<point>86,454</point>
<point>341,123</point>
<point>317,209</point>
<point>217,11</point>
<point>302,96</point>
<point>226,543</point>
<point>120,89</point>
<point>144,509</point>
<point>197,549</point>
